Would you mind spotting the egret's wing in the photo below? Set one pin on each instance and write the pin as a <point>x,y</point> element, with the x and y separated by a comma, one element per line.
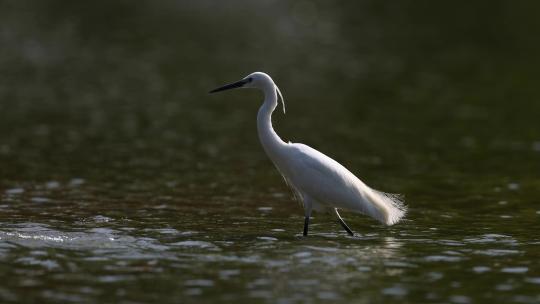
<point>329,182</point>
<point>323,178</point>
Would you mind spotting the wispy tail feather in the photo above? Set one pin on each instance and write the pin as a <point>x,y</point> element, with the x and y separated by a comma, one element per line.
<point>388,208</point>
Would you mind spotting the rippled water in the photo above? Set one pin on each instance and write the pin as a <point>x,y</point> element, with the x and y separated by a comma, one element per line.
<point>64,243</point>
<point>122,181</point>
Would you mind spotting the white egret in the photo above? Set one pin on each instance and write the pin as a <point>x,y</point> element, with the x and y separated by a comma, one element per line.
<point>319,182</point>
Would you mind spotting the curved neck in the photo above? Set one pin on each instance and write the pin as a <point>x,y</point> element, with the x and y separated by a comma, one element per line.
<point>270,141</point>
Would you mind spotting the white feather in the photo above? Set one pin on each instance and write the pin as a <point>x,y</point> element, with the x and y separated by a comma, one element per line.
<point>316,175</point>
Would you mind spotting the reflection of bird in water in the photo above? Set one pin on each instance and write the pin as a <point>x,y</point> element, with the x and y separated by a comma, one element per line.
<point>319,181</point>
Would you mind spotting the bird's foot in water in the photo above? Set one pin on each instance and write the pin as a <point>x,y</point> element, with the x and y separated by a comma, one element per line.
<point>306,225</point>
<point>349,231</point>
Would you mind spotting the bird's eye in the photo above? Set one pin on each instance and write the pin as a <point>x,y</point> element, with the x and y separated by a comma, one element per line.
<point>249,79</point>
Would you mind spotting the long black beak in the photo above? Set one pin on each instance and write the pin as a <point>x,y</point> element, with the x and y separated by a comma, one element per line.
<point>233,85</point>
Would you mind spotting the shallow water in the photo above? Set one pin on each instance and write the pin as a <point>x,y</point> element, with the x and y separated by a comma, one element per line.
<point>123,181</point>
<point>62,248</point>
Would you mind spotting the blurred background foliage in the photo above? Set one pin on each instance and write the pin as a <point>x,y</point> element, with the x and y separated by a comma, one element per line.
<point>118,89</point>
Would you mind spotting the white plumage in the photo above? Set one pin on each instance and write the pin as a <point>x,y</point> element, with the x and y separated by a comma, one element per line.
<point>328,184</point>
<point>319,181</point>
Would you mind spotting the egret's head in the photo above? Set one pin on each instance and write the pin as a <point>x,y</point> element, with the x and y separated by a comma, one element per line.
<point>257,80</point>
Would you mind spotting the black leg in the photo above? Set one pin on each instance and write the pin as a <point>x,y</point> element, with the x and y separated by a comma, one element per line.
<point>342,222</point>
<point>346,227</point>
<point>306,224</point>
